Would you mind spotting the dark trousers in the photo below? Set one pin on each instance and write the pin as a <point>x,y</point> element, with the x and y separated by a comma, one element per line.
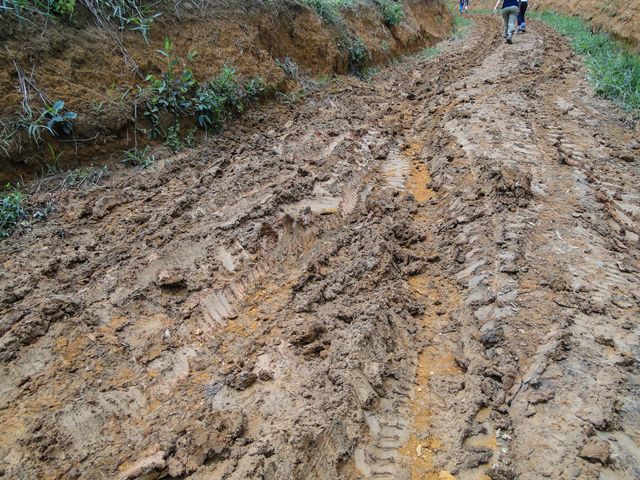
<point>523,10</point>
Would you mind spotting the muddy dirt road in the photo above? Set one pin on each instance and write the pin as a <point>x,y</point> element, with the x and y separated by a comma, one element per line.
<point>433,275</point>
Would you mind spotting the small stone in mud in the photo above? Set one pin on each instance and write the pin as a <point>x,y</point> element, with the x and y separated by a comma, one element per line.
<point>596,451</point>
<point>265,375</point>
<point>541,396</point>
<point>500,472</point>
<point>241,381</point>
<point>490,334</point>
<point>306,333</point>
<point>434,257</point>
<point>510,268</point>
<point>606,341</point>
<point>622,302</point>
<point>170,279</point>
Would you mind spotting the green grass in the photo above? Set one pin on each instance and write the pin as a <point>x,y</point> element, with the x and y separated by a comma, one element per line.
<point>330,10</point>
<point>139,158</point>
<point>392,11</point>
<point>613,70</point>
<point>429,52</point>
<point>12,209</point>
<point>461,25</point>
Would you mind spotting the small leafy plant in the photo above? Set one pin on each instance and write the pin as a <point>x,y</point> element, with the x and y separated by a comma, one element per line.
<point>12,209</point>
<point>52,119</point>
<point>358,57</point>
<point>59,119</point>
<point>329,10</point>
<point>139,158</point>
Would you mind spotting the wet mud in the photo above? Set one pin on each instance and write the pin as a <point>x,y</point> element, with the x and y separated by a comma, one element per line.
<point>430,275</point>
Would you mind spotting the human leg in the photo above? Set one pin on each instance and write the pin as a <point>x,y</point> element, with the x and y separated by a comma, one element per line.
<point>521,19</point>
<point>505,17</point>
<point>510,17</point>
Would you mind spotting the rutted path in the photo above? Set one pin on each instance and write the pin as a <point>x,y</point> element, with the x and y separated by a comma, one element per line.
<point>432,275</point>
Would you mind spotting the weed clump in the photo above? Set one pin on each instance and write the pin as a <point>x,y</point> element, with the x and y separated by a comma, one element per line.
<point>12,209</point>
<point>139,158</point>
<point>392,11</point>
<point>329,10</point>
<point>359,57</point>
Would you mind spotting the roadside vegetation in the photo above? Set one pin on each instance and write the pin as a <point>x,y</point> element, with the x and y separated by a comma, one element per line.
<point>614,71</point>
<point>331,11</point>
<point>126,14</point>
<point>12,210</point>
<point>461,25</point>
<point>179,94</point>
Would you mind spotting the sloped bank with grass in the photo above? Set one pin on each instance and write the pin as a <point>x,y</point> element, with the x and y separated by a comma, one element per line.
<point>621,18</point>
<point>107,68</point>
<point>614,70</point>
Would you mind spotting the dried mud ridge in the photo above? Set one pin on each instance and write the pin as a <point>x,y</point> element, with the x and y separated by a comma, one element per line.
<point>434,275</point>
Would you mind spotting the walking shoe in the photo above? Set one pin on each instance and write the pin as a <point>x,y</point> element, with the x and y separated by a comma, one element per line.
<point>509,39</point>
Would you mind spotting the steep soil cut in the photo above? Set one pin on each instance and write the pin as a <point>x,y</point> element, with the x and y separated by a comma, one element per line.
<point>81,64</point>
<point>429,275</point>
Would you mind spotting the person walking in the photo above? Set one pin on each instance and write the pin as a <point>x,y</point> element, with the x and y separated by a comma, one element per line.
<point>510,10</point>
<point>522,25</point>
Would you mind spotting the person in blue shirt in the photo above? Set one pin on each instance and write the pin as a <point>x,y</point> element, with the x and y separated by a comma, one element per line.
<point>510,10</point>
<point>464,6</point>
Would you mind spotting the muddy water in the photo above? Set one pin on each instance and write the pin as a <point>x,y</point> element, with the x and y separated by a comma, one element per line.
<point>422,276</point>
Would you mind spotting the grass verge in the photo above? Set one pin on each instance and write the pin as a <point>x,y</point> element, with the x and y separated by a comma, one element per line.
<point>613,70</point>
<point>461,25</point>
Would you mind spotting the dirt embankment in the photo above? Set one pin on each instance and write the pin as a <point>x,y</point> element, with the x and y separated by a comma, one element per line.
<point>75,61</point>
<point>619,17</point>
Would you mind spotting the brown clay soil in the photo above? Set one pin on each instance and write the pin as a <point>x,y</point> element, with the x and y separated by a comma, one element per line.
<point>432,275</point>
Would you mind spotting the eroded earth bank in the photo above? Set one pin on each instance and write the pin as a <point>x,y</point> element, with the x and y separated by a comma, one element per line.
<point>431,275</point>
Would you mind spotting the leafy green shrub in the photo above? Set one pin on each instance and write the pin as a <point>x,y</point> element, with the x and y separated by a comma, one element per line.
<point>613,69</point>
<point>358,56</point>
<point>139,158</point>
<point>329,10</point>
<point>178,93</point>
<point>12,209</point>
<point>392,11</point>
<point>21,8</point>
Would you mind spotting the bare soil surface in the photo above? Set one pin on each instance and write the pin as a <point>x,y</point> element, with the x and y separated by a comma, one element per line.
<point>433,275</point>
